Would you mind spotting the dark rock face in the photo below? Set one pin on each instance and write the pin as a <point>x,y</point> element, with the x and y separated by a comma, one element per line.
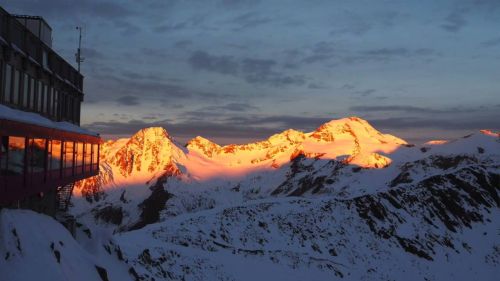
<point>102,273</point>
<point>456,200</point>
<point>303,178</point>
<point>109,214</point>
<point>442,206</point>
<point>155,203</point>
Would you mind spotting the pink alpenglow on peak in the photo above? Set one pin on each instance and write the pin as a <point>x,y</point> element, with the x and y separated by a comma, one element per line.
<point>151,151</point>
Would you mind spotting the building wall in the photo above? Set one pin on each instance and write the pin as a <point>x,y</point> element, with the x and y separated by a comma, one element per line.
<point>34,160</point>
<point>47,84</point>
<point>25,86</point>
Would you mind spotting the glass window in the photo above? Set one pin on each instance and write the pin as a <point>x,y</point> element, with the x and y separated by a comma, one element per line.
<point>16,152</point>
<point>39,99</point>
<point>95,153</point>
<point>62,105</point>
<point>77,111</point>
<point>45,59</point>
<point>50,101</point>
<point>68,154</point>
<point>79,158</point>
<point>32,93</point>
<point>55,105</point>
<point>55,155</point>
<point>45,99</point>
<point>79,154</point>
<point>16,88</point>
<point>69,107</point>
<point>88,154</point>
<point>26,90</point>
<point>37,155</point>
<point>8,83</point>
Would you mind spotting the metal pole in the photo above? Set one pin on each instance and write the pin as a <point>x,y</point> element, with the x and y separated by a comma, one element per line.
<point>78,52</point>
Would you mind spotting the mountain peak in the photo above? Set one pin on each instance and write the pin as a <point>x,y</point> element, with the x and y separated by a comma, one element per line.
<point>354,127</point>
<point>151,133</point>
<point>290,135</point>
<point>203,146</point>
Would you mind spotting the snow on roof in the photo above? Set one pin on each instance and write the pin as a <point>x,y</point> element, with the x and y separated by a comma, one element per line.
<point>11,114</point>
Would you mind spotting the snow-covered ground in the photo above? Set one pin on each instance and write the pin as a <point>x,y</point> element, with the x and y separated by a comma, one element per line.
<point>37,247</point>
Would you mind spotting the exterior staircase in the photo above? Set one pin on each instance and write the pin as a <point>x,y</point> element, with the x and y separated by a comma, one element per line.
<point>64,196</point>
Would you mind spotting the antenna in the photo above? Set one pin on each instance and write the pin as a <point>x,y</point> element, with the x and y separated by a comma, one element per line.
<point>78,55</point>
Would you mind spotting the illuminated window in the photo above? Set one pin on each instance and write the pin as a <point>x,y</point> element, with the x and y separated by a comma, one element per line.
<point>79,157</point>
<point>68,154</point>
<point>37,155</point>
<point>15,159</point>
<point>55,155</point>
<point>88,155</point>
<point>95,153</point>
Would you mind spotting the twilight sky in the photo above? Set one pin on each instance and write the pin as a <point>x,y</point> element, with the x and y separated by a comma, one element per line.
<point>240,70</point>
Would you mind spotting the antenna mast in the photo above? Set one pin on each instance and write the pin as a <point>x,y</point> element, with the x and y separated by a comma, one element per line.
<point>78,55</point>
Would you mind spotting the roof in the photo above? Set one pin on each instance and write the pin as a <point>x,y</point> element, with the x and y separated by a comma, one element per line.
<point>31,118</point>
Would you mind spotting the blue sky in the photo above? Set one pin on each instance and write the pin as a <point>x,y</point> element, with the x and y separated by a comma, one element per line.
<point>240,70</point>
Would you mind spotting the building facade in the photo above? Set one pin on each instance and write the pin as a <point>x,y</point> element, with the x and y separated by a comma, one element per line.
<point>43,150</point>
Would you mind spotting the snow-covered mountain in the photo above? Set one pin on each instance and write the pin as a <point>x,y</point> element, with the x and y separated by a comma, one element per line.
<point>342,202</point>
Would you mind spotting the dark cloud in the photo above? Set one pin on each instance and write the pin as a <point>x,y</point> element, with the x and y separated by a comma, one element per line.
<point>153,116</point>
<point>258,71</point>
<point>220,64</point>
<point>170,27</point>
<point>245,128</point>
<point>328,52</point>
<point>472,124</point>
<point>262,72</point>
<point>348,86</point>
<point>355,28</point>
<point>321,51</point>
<point>139,76</point>
<point>251,127</point>
<point>248,20</point>
<point>415,109</point>
<point>317,86</point>
<point>454,21</point>
<point>128,100</point>
<point>239,107</point>
<point>193,21</point>
<point>399,108</point>
<point>387,53</point>
<point>491,43</point>
<point>64,10</point>
<point>182,44</point>
<point>238,3</point>
<point>364,93</point>
<point>91,53</point>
